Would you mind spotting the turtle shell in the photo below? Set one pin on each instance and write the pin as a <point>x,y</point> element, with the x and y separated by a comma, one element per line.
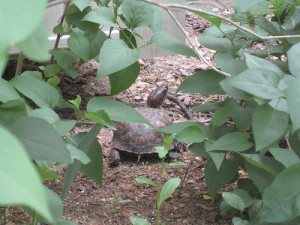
<point>140,138</point>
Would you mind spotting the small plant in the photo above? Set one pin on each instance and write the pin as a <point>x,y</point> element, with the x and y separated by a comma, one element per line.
<point>144,164</point>
<point>169,187</point>
<point>118,197</point>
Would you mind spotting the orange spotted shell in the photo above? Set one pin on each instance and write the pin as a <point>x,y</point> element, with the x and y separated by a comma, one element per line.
<point>140,138</point>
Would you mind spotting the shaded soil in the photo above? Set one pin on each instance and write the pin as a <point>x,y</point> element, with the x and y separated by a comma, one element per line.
<point>121,196</point>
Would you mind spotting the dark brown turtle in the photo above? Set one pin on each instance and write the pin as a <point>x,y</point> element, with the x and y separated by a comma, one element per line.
<point>140,138</point>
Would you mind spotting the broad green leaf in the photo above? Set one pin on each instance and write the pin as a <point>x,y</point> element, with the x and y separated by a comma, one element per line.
<point>112,51</point>
<point>118,2</point>
<point>242,116</point>
<point>96,39</point>
<point>46,174</point>
<point>124,78</point>
<point>145,180</point>
<point>215,21</point>
<point>266,25</point>
<point>172,44</point>
<point>76,102</point>
<point>40,92</point>
<point>259,82</point>
<point>54,81</point>
<point>12,110</point>
<point>228,63</point>
<point>135,220</point>
<point>31,132</point>
<point>82,4</point>
<point>51,70</point>
<point>78,154</point>
<point>157,22</point>
<point>168,140</point>
<point>101,117</point>
<point>239,221</point>
<point>233,91</point>
<point>20,182</point>
<point>220,116</point>
<point>168,189</point>
<point>206,107</point>
<point>235,141</point>
<point>268,126</point>
<point>55,206</point>
<point>244,196</point>
<point>176,164</point>
<point>101,15</point>
<point>286,156</point>
<point>248,185</point>
<point>179,127</point>
<point>65,222</point>
<point>63,57</point>
<point>162,151</point>
<point>137,14</point>
<point>61,126</point>
<point>191,134</point>
<point>15,29</point>
<point>216,179</point>
<point>58,29</point>
<point>7,92</point>
<point>217,158</point>
<point>117,111</point>
<point>199,150</point>
<point>128,37</point>
<point>256,160</point>
<point>259,9</point>
<point>293,101</point>
<point>79,44</point>
<point>36,46</point>
<point>219,32</point>
<point>88,143</point>
<point>256,62</point>
<point>241,6</point>
<point>281,199</point>
<point>234,200</point>
<point>203,82</point>
<point>218,44</point>
<point>293,59</point>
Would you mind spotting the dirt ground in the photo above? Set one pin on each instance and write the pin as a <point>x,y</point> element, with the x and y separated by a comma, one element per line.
<point>120,195</point>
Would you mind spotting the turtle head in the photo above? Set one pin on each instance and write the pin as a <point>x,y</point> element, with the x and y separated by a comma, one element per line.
<point>157,97</point>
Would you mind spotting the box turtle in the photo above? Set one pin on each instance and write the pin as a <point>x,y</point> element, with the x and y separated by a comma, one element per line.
<point>140,138</point>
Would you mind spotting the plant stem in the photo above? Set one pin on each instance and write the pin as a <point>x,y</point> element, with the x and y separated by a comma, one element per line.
<point>34,218</point>
<point>159,189</point>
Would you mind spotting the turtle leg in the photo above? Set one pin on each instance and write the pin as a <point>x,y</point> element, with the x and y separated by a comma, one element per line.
<point>114,157</point>
<point>139,158</point>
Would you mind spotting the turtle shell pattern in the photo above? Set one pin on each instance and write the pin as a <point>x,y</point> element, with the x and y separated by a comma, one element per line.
<point>140,138</point>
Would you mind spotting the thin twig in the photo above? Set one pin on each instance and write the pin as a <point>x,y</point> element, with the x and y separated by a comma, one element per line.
<point>61,22</point>
<point>195,48</point>
<point>19,64</point>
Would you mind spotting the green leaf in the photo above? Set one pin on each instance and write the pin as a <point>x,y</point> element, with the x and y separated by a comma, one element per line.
<point>247,185</point>
<point>47,174</point>
<point>128,37</point>
<point>268,126</point>
<point>235,141</point>
<point>76,102</point>
<point>234,200</point>
<point>138,221</point>
<point>203,82</point>
<point>15,29</point>
<point>157,22</point>
<point>36,46</point>
<point>215,21</point>
<point>124,78</point>
<point>137,14</point>
<point>168,42</point>
<point>206,107</point>
<point>52,70</point>
<point>15,186</point>
<point>216,179</point>
<point>12,110</point>
<point>79,44</point>
<point>168,140</point>
<point>293,59</point>
<point>82,4</point>
<point>168,189</point>
<point>286,156</point>
<point>63,57</point>
<point>31,132</point>
<point>65,222</point>
<point>78,154</point>
<point>281,199</point>
<point>233,91</point>
<point>293,100</point>
<point>266,25</point>
<point>242,116</point>
<point>218,44</point>
<point>101,15</point>
<point>145,180</point>
<point>58,29</point>
<point>101,117</point>
<point>256,62</point>
<point>176,164</point>
<point>54,81</point>
<point>228,63</point>
<point>162,151</point>
<point>7,92</point>
<point>117,111</point>
<point>239,221</point>
<point>40,92</point>
<point>221,115</point>
<point>217,157</point>
<point>259,82</point>
<point>112,51</point>
<point>191,134</point>
<point>55,206</point>
<point>88,143</point>
<point>96,39</point>
<point>199,150</point>
<point>47,114</point>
